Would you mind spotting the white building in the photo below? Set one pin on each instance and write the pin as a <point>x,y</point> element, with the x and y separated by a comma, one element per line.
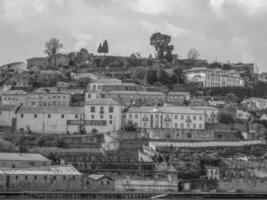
<point>215,77</point>
<point>7,115</point>
<point>77,76</point>
<point>49,120</point>
<point>209,111</point>
<point>167,117</point>
<point>14,97</point>
<point>254,103</point>
<point>103,114</point>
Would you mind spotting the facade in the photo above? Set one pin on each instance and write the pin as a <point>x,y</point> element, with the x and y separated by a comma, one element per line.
<point>49,120</point>
<point>7,115</point>
<point>254,103</point>
<point>103,115</point>
<point>50,96</point>
<point>173,122</point>
<point>22,160</point>
<point>77,76</point>
<point>96,85</point>
<point>263,77</point>
<point>14,97</point>
<point>99,182</point>
<point>209,111</point>
<point>215,77</point>
<point>48,178</point>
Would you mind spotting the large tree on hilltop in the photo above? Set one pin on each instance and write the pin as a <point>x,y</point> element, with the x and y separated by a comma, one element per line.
<point>100,48</point>
<point>52,47</point>
<point>193,54</point>
<point>161,44</point>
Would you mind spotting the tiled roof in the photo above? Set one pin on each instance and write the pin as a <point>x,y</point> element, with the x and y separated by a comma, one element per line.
<point>46,170</point>
<point>179,93</point>
<point>52,110</point>
<point>109,80</point>
<point>8,107</point>
<point>102,101</point>
<point>98,176</point>
<point>15,92</point>
<point>165,109</point>
<point>22,157</point>
<point>48,90</point>
<point>135,92</point>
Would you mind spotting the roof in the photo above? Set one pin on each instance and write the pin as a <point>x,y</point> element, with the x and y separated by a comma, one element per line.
<point>102,101</point>
<point>52,110</point>
<point>263,117</point>
<point>22,157</point>
<point>46,170</point>
<point>135,92</point>
<point>204,108</point>
<point>8,107</point>
<point>197,69</point>
<point>166,109</point>
<point>49,90</point>
<point>179,93</point>
<point>15,92</point>
<point>107,80</point>
<point>98,176</point>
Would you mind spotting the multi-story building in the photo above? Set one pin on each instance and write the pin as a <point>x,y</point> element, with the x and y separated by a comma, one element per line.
<point>263,77</point>
<point>254,103</point>
<point>215,77</point>
<point>50,96</point>
<point>47,178</point>
<point>49,120</point>
<point>103,115</point>
<point>23,160</point>
<point>14,97</point>
<point>177,122</point>
<point>7,115</point>
<point>96,86</point>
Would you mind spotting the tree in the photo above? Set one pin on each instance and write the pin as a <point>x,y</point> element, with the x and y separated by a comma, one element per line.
<point>139,73</point>
<point>52,47</point>
<point>193,54</point>
<point>163,76</point>
<point>100,48</point>
<point>82,56</point>
<point>105,47</point>
<point>151,76</point>
<point>161,44</point>
<point>225,117</point>
<point>180,75</point>
<point>231,98</point>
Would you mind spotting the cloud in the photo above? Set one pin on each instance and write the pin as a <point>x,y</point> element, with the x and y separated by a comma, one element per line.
<point>232,30</point>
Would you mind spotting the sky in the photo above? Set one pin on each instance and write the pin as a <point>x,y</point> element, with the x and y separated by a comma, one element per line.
<point>221,30</point>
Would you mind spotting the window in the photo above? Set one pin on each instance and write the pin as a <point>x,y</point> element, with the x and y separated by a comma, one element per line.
<point>102,183</point>
<point>175,125</point>
<point>64,178</point>
<point>17,177</point>
<point>194,117</point>
<point>194,125</point>
<point>73,178</point>
<point>35,115</point>
<point>101,109</point>
<point>110,116</point>
<point>92,116</point>
<point>188,125</point>
<point>175,117</point>
<point>110,109</point>
<point>182,125</point>
<point>49,115</point>
<point>92,109</point>
<point>21,115</point>
<point>89,96</point>
<point>200,118</point>
<point>26,177</point>
<point>101,116</point>
<point>182,117</point>
<point>45,178</point>
<point>136,116</point>
<point>62,116</point>
<point>76,116</point>
<point>35,177</point>
<point>200,126</point>
<point>130,116</point>
<point>110,121</point>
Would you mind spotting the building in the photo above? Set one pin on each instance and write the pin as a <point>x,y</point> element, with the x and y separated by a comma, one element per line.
<point>22,160</point>
<point>7,115</point>
<point>176,122</point>
<point>174,97</point>
<point>78,76</point>
<point>14,97</point>
<point>99,182</point>
<point>48,178</point>
<point>254,103</point>
<point>37,61</point>
<point>212,172</point>
<point>263,77</point>
<point>102,115</point>
<point>49,96</point>
<point>96,85</point>
<point>137,97</point>
<point>214,77</point>
<point>50,120</point>
<point>209,111</point>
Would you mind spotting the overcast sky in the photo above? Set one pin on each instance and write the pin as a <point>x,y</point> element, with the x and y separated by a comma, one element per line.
<point>226,30</point>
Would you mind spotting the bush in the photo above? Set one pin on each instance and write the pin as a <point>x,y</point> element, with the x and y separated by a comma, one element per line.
<point>225,117</point>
